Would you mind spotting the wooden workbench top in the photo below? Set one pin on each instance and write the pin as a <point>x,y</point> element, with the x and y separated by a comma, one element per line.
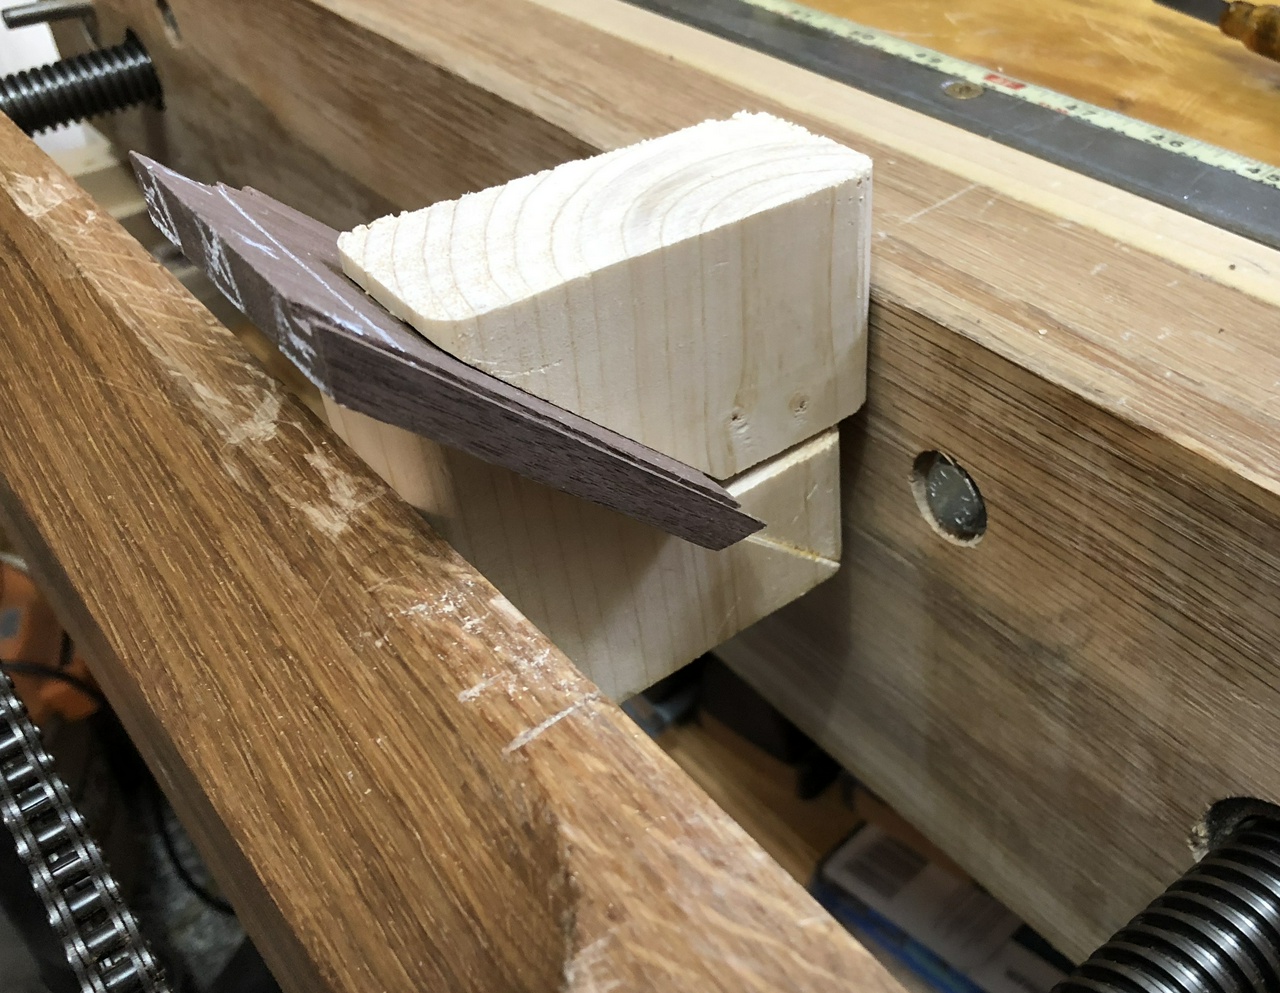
<point>1133,56</point>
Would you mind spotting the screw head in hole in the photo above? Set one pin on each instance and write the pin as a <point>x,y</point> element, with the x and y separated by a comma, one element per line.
<point>948,498</point>
<point>962,89</point>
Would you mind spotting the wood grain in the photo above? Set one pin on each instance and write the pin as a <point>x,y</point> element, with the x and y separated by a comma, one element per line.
<point>1098,648</point>
<point>759,792</point>
<point>703,293</point>
<point>625,602</point>
<point>280,269</point>
<point>399,782</point>
<point>1133,56</point>
<point>1081,368</point>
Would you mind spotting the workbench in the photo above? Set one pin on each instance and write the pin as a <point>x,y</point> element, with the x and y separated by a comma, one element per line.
<point>1058,705</point>
<point>1133,56</point>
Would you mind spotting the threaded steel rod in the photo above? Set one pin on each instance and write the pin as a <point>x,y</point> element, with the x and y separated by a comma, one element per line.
<point>1216,930</point>
<point>80,87</point>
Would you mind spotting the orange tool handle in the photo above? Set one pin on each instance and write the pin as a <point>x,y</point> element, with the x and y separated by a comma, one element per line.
<point>1257,26</point>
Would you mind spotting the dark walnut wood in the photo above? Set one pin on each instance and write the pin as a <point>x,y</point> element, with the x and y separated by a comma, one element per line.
<point>399,782</point>
<point>282,270</point>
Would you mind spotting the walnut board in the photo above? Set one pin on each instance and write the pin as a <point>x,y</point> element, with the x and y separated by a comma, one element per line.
<point>398,781</point>
<point>1055,706</point>
<point>280,268</point>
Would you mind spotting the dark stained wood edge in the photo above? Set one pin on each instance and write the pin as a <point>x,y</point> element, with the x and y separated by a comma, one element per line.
<point>282,270</point>
<point>398,781</point>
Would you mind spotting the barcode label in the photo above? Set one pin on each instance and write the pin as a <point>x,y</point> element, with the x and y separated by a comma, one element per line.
<point>931,909</point>
<point>886,866</point>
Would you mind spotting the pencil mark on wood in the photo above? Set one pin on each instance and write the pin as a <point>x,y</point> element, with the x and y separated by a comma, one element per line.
<point>911,219</point>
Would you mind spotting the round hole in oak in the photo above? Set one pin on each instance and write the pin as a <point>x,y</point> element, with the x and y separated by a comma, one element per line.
<point>948,498</point>
<point>1223,817</point>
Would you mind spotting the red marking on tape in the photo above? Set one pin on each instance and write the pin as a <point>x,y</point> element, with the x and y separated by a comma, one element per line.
<point>995,79</point>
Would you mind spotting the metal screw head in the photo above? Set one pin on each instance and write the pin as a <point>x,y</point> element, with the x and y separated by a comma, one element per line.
<point>962,89</point>
<point>949,498</point>
<point>45,11</point>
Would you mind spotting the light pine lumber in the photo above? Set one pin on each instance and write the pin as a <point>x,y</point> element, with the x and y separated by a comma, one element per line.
<point>625,602</point>
<point>977,250</point>
<point>759,792</point>
<point>704,292</point>
<point>398,781</point>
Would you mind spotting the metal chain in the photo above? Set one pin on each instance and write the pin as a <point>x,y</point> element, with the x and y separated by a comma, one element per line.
<point>100,935</point>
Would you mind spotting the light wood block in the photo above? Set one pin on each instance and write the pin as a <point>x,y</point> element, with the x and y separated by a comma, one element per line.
<point>704,293</point>
<point>626,602</point>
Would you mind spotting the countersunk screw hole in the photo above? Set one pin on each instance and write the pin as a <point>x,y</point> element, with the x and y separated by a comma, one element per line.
<point>1224,817</point>
<point>948,498</point>
<point>962,89</point>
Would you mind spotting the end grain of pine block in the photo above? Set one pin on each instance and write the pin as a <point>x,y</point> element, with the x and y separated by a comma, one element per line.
<point>704,293</point>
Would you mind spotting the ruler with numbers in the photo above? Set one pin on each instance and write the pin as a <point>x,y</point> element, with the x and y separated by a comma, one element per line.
<point>1195,177</point>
